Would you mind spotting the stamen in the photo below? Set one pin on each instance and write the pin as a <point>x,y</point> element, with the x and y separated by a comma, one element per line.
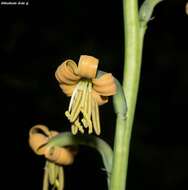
<point>45,179</point>
<point>83,102</point>
<point>53,175</point>
<point>56,184</point>
<point>89,100</point>
<point>68,115</point>
<point>61,178</point>
<point>53,172</point>
<point>89,108</point>
<point>95,117</point>
<point>74,129</point>
<point>84,109</point>
<point>84,89</point>
<point>86,120</point>
<point>74,95</point>
<point>98,129</point>
<point>79,126</point>
<point>72,98</point>
<point>77,106</point>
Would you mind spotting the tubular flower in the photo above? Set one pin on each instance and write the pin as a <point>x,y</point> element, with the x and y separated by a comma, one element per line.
<point>39,136</point>
<point>87,92</point>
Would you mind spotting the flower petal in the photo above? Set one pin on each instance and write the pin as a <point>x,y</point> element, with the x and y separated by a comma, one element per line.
<point>106,90</point>
<point>98,98</point>
<point>67,72</point>
<point>87,66</point>
<point>105,85</point>
<point>62,156</point>
<point>38,136</point>
<point>67,89</point>
<point>105,79</point>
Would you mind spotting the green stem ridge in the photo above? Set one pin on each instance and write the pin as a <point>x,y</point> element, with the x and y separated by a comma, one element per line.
<point>135,27</point>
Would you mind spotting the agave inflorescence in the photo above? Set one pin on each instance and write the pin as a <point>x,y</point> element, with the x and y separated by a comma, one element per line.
<point>87,92</point>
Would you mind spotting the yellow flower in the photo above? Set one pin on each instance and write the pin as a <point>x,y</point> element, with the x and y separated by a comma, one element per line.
<point>86,90</point>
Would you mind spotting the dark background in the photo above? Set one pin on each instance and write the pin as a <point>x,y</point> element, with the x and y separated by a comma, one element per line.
<point>35,39</point>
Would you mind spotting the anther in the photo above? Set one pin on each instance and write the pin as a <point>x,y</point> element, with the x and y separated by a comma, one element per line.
<point>95,117</point>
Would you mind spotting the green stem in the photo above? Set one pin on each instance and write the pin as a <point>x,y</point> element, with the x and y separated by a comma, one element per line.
<point>135,28</point>
<point>123,124</point>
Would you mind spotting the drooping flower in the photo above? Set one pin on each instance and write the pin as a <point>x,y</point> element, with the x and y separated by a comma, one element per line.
<point>57,157</point>
<point>87,91</point>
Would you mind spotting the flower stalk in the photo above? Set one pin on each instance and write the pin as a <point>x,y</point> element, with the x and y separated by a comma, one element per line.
<point>67,139</point>
<point>134,29</point>
<point>58,149</point>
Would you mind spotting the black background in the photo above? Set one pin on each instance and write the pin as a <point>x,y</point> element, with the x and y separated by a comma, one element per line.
<point>35,39</point>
